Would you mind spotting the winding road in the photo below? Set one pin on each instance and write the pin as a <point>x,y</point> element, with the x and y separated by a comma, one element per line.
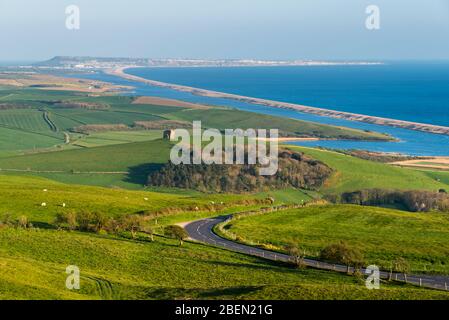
<point>202,231</point>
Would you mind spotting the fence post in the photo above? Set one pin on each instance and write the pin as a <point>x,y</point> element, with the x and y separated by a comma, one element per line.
<point>420,282</point>
<point>275,257</point>
<point>445,286</point>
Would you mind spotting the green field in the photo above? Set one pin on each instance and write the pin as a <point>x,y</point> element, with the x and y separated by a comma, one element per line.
<point>381,234</point>
<point>98,139</point>
<point>120,110</point>
<point>14,141</point>
<point>34,262</point>
<point>24,196</point>
<point>106,172</point>
<point>232,119</point>
<point>352,174</point>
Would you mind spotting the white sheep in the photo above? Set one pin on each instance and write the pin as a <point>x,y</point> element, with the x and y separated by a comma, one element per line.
<point>43,204</point>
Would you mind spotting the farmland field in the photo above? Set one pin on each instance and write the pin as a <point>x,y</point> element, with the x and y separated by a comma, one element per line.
<point>352,173</point>
<point>49,166</point>
<point>34,268</point>
<point>23,195</point>
<point>381,234</point>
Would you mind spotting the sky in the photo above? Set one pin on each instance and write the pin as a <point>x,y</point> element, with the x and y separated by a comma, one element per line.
<point>262,29</point>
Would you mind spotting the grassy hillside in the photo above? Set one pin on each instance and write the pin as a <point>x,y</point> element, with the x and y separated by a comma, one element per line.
<point>24,196</point>
<point>381,234</point>
<point>354,174</point>
<point>98,139</point>
<point>13,140</point>
<point>232,119</point>
<point>34,262</point>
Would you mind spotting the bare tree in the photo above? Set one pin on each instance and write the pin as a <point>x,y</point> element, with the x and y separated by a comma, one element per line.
<point>298,255</point>
<point>402,266</point>
<point>132,223</point>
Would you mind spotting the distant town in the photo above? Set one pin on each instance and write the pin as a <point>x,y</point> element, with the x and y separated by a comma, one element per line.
<point>83,63</point>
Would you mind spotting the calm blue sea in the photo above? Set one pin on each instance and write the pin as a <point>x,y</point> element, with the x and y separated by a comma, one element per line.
<point>415,92</point>
<point>406,91</point>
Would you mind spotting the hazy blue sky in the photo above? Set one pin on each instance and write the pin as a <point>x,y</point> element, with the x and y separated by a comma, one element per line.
<point>268,29</point>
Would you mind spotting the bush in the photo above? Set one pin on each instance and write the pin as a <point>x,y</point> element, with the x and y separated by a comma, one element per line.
<point>342,253</point>
<point>298,255</point>
<point>6,219</point>
<point>149,232</point>
<point>66,220</point>
<point>23,222</point>
<point>84,220</point>
<point>99,221</point>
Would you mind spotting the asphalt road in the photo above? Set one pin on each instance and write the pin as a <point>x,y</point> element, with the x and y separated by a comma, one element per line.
<point>202,231</point>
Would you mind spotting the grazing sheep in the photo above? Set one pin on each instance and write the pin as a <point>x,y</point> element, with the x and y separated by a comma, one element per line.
<point>43,204</point>
<point>45,190</point>
<point>146,199</point>
<point>63,205</point>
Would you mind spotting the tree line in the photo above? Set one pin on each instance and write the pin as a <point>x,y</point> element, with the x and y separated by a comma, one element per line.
<point>414,201</point>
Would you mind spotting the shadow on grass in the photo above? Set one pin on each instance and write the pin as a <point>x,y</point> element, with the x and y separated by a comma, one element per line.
<point>201,293</point>
<point>139,174</point>
<point>43,225</point>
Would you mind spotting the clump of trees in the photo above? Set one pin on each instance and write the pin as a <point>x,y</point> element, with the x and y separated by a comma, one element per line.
<point>21,222</point>
<point>99,222</point>
<point>415,201</point>
<point>295,170</point>
<point>343,253</point>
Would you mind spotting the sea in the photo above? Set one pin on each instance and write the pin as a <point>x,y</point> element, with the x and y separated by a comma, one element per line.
<point>412,91</point>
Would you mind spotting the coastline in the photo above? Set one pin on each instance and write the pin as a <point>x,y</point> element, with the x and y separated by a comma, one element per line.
<point>429,128</point>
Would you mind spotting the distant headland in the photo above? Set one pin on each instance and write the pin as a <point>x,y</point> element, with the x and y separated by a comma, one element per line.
<point>68,62</point>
